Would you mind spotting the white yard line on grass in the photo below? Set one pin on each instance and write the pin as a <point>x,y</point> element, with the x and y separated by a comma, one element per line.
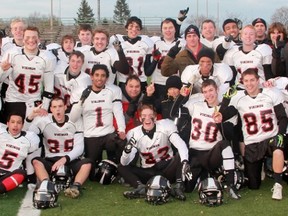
<point>27,208</point>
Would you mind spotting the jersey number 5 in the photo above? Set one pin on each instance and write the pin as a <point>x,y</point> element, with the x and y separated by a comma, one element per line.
<point>7,159</point>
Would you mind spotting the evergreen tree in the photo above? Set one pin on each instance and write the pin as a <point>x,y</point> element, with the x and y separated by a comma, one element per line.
<point>85,14</point>
<point>121,12</point>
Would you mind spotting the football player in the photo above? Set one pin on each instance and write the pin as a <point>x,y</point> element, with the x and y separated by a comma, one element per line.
<point>97,106</point>
<point>161,47</point>
<point>264,122</point>
<point>231,29</point>
<point>84,35</point>
<point>72,81</point>
<point>64,144</point>
<point>153,141</point>
<point>103,53</point>
<point>194,75</point>
<point>62,52</point>
<point>15,145</point>
<point>17,29</point>
<point>208,32</point>
<point>208,145</point>
<point>137,49</point>
<point>249,55</point>
<point>30,73</point>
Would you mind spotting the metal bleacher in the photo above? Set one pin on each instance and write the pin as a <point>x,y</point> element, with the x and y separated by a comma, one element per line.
<point>63,26</point>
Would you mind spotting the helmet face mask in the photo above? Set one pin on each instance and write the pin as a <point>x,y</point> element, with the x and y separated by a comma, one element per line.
<point>105,172</point>
<point>62,178</point>
<point>158,190</point>
<point>210,192</point>
<point>45,195</point>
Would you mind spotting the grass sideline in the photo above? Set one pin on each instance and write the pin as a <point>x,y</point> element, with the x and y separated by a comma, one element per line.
<point>108,200</point>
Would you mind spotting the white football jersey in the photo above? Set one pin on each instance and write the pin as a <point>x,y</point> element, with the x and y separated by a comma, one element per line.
<point>135,55</point>
<point>98,111</point>
<point>158,148</point>
<point>163,48</point>
<point>204,131</point>
<point>7,44</point>
<point>281,83</point>
<point>29,77</point>
<point>221,74</point>
<point>261,55</point>
<point>13,150</point>
<point>71,90</point>
<point>106,57</point>
<point>259,121</point>
<point>59,140</point>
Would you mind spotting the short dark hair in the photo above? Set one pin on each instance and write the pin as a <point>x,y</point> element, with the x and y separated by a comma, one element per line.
<point>100,67</point>
<point>78,54</point>
<point>68,37</point>
<point>132,77</point>
<point>147,106</point>
<point>85,27</point>
<point>208,21</point>
<point>15,114</point>
<point>209,82</point>
<point>32,28</point>
<point>134,19</point>
<point>250,71</point>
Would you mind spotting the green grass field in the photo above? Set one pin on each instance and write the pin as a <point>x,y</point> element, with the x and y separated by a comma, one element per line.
<point>108,200</point>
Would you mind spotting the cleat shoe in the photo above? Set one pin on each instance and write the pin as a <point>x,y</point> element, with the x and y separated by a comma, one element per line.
<point>139,192</point>
<point>178,192</point>
<point>233,192</point>
<point>277,191</point>
<point>73,191</point>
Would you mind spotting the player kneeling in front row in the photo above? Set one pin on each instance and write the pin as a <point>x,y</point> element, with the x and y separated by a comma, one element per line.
<point>63,142</point>
<point>15,145</point>
<point>264,124</point>
<point>208,148</point>
<point>152,140</point>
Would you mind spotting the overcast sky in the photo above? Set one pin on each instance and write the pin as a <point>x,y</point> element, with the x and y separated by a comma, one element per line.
<point>243,9</point>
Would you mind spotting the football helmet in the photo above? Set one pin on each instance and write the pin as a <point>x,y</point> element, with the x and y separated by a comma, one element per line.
<point>239,179</point>
<point>158,190</point>
<point>45,195</point>
<point>210,192</point>
<point>62,178</point>
<point>106,172</point>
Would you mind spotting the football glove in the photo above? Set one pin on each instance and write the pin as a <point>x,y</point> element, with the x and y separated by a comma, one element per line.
<point>156,54</point>
<point>277,141</point>
<point>182,14</point>
<point>85,94</point>
<point>174,50</point>
<point>228,38</point>
<point>130,144</point>
<point>231,92</point>
<point>2,33</point>
<point>117,44</point>
<point>42,46</point>
<point>186,171</point>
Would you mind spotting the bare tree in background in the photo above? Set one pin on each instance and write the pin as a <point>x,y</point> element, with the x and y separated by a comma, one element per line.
<point>281,15</point>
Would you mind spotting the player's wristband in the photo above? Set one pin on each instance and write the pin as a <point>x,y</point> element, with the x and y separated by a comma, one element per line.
<point>48,94</point>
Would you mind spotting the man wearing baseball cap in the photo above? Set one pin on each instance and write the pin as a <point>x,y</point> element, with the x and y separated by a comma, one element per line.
<point>177,59</point>
<point>261,28</point>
